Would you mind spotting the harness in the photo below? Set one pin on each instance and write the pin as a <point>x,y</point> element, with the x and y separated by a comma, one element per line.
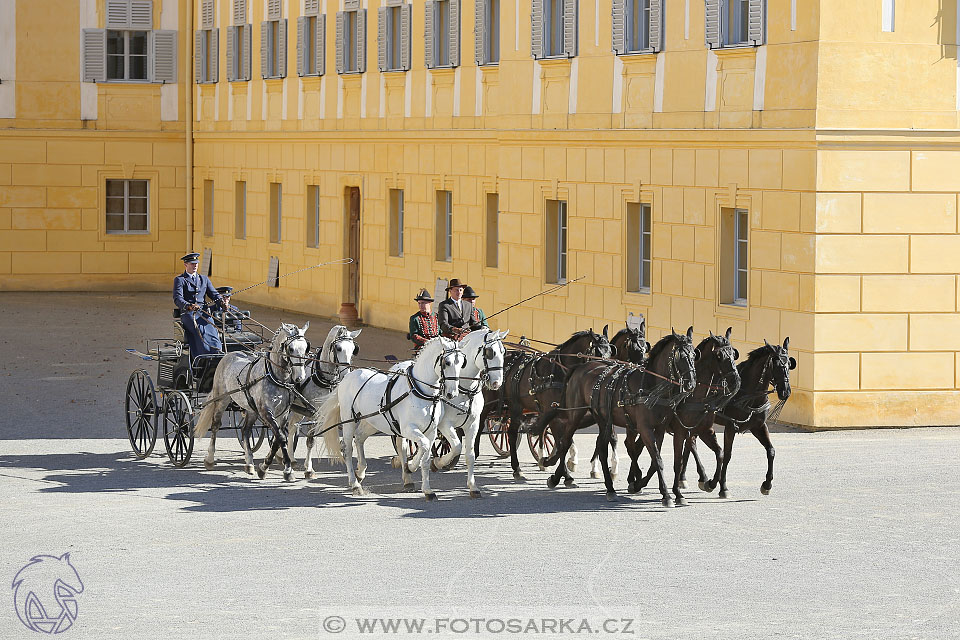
<point>742,402</point>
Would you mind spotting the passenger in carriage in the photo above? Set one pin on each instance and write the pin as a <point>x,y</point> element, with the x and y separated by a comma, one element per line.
<point>456,314</point>
<point>423,324</point>
<point>478,315</point>
<point>190,291</point>
<point>229,316</point>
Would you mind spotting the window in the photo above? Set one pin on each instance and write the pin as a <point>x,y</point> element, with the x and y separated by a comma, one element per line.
<point>352,40</point>
<point>734,267</point>
<point>638,247</point>
<point>240,210</point>
<point>276,205</point>
<point>127,206</point>
<point>487,31</point>
<point>311,46</point>
<point>393,42</point>
<point>733,23</point>
<point>493,230</point>
<point>396,222</point>
<point>313,216</point>
<point>638,25</point>
<point>273,48</point>
<point>556,252</point>
<point>736,17</point>
<point>444,226</point>
<point>127,55</point>
<point>553,28</point>
<point>238,52</point>
<point>206,56</point>
<point>887,15</point>
<point>442,33</point>
<point>208,207</point>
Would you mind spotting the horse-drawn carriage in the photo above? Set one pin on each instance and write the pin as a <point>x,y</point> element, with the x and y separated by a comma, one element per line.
<point>179,392</point>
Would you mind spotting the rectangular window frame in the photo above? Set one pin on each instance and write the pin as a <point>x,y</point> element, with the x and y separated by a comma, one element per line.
<point>639,247</point>
<point>553,29</point>
<point>126,231</point>
<point>310,49</point>
<point>126,56</point>
<point>492,240</point>
<point>557,249</point>
<point>208,208</point>
<point>638,26</point>
<point>734,257</point>
<point>240,210</point>
<point>396,222</point>
<point>443,222</point>
<point>276,213</point>
<point>441,34</point>
<point>349,44</point>
<point>491,33</point>
<point>313,216</point>
<point>741,258</point>
<point>395,38</point>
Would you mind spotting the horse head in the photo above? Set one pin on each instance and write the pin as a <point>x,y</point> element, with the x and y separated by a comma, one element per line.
<point>289,350</point>
<point>443,359</point>
<point>781,364</point>
<point>600,343</point>
<point>341,349</point>
<point>493,354</point>
<point>717,358</point>
<point>682,359</point>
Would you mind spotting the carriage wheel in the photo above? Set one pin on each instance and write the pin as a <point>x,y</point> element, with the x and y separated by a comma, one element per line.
<point>497,430</point>
<point>142,413</point>
<point>257,432</point>
<point>178,428</point>
<point>548,441</point>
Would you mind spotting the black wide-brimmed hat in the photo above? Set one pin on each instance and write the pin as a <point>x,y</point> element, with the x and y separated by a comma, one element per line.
<point>455,283</point>
<point>423,296</point>
<point>191,257</point>
<point>469,293</point>
<point>225,291</point>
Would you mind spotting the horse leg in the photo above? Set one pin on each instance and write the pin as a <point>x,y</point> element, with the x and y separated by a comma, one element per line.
<point>614,458</point>
<point>446,461</point>
<point>513,434</point>
<point>564,439</point>
<point>279,442</point>
<point>602,441</point>
<point>679,440</point>
<point>762,434</point>
<point>426,444</point>
<point>541,425</point>
<point>573,459</point>
<point>308,462</point>
<point>360,439</point>
<point>653,468</point>
<point>691,448</point>
<point>633,452</point>
<point>267,461</point>
<point>729,433</point>
<point>217,410</point>
<point>249,419</point>
<point>401,458</point>
<point>349,429</point>
<point>471,429</point>
<point>648,441</point>
<point>709,438</point>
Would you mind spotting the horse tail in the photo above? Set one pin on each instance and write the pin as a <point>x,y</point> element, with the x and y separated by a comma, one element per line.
<point>204,420</point>
<point>330,415</point>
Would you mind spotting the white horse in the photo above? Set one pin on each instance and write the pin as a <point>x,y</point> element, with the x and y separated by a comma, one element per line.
<point>485,352</point>
<point>330,363</point>
<point>262,384</point>
<point>409,404</point>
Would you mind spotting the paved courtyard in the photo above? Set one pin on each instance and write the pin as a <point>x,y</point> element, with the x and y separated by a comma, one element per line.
<point>858,539</point>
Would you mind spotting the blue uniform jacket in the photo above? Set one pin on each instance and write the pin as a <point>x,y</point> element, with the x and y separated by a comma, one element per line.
<point>186,293</point>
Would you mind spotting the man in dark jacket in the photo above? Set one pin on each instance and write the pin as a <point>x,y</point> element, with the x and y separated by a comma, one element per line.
<point>190,291</point>
<point>456,314</point>
<point>478,315</point>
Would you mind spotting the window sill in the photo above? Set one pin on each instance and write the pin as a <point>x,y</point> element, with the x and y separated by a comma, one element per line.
<point>635,54</point>
<point>132,82</point>
<point>129,235</point>
<point>394,70</point>
<point>490,64</point>
<point>351,73</point>
<point>732,310</point>
<point>735,47</point>
<point>562,59</point>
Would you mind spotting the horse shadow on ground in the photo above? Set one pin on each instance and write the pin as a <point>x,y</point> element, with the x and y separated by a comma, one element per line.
<point>228,489</point>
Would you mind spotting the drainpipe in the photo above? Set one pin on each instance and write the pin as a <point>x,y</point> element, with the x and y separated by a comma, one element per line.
<point>187,45</point>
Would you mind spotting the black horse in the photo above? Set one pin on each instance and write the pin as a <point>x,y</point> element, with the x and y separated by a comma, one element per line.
<point>628,396</point>
<point>718,381</point>
<point>535,382</point>
<point>630,345</point>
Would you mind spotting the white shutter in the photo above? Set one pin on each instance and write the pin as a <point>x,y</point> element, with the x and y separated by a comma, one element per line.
<point>273,10</point>
<point>428,34</point>
<point>239,12</point>
<point>480,54</point>
<point>361,40</point>
<point>231,45</point>
<point>94,47</point>
<point>199,56</point>
<point>282,49</point>
<point>321,44</point>
<point>141,15</point>
<point>118,14</point>
<point>163,56</point>
<point>214,67</point>
<point>406,23</point>
<point>656,25</point>
<point>571,22</point>
<point>454,35</point>
<point>247,50</point>
<point>265,49</point>
<point>311,7</point>
<point>757,24</point>
<point>536,29</point>
<point>712,24</point>
<point>340,44</point>
<point>303,23</point>
<point>382,38</point>
<point>206,15</point>
<point>618,19</point>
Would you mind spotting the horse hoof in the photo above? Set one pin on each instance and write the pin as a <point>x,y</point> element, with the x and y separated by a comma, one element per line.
<point>308,475</point>
<point>359,492</point>
<point>569,482</point>
<point>594,474</point>
<point>765,488</point>
<point>249,469</point>
<point>702,485</point>
<point>519,477</point>
<point>541,466</point>
<point>681,502</point>
<point>433,466</point>
<point>632,488</point>
<point>208,464</point>
<point>288,476</point>
<point>572,466</point>
<point>724,494</point>
<point>552,482</point>
<point>475,494</point>
<point>667,502</point>
<point>614,476</point>
<point>430,497</point>
<point>682,484</point>
<point>611,496</point>
<point>261,472</point>
<point>395,462</point>
<point>710,485</point>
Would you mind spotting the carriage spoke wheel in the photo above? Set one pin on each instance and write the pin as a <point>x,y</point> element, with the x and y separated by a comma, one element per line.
<point>178,428</point>
<point>257,432</point>
<point>142,413</point>
<point>546,440</point>
<point>497,431</point>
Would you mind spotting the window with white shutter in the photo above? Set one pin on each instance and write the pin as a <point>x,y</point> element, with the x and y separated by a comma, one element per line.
<point>93,44</point>
<point>207,14</point>
<point>239,12</point>
<point>238,52</point>
<point>735,23</point>
<point>129,49</point>
<point>352,41</point>
<point>163,56</point>
<point>637,26</point>
<point>554,28</point>
<point>442,33</point>
<point>273,48</point>
<point>206,51</point>
<point>393,39</point>
<point>310,44</point>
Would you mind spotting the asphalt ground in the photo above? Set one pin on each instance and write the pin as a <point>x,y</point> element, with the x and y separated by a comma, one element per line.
<point>858,539</point>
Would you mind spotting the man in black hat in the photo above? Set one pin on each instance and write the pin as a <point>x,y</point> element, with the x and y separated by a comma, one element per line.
<point>190,291</point>
<point>423,324</point>
<point>228,315</point>
<point>456,314</point>
<point>478,316</point>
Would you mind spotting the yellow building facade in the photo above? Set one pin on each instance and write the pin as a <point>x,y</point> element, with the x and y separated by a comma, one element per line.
<point>785,168</point>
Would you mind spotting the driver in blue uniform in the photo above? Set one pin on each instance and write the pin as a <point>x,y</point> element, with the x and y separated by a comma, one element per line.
<point>190,290</point>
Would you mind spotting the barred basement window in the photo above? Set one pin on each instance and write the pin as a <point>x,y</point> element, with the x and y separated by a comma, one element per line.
<point>493,230</point>
<point>556,250</point>
<point>734,256</point>
<point>396,222</point>
<point>240,210</point>
<point>444,226</point>
<point>276,206</point>
<point>638,247</point>
<point>208,207</point>
<point>313,216</point>
<point>127,206</point>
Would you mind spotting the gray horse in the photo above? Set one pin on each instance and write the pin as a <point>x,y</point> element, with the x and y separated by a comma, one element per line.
<point>263,385</point>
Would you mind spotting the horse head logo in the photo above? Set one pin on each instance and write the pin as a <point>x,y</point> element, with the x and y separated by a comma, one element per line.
<point>45,594</point>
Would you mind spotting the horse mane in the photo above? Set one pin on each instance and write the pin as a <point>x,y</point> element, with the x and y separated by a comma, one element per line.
<point>576,336</point>
<point>335,332</point>
<point>720,341</point>
<point>430,342</point>
<point>661,345</point>
<point>754,357</point>
<point>623,332</point>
